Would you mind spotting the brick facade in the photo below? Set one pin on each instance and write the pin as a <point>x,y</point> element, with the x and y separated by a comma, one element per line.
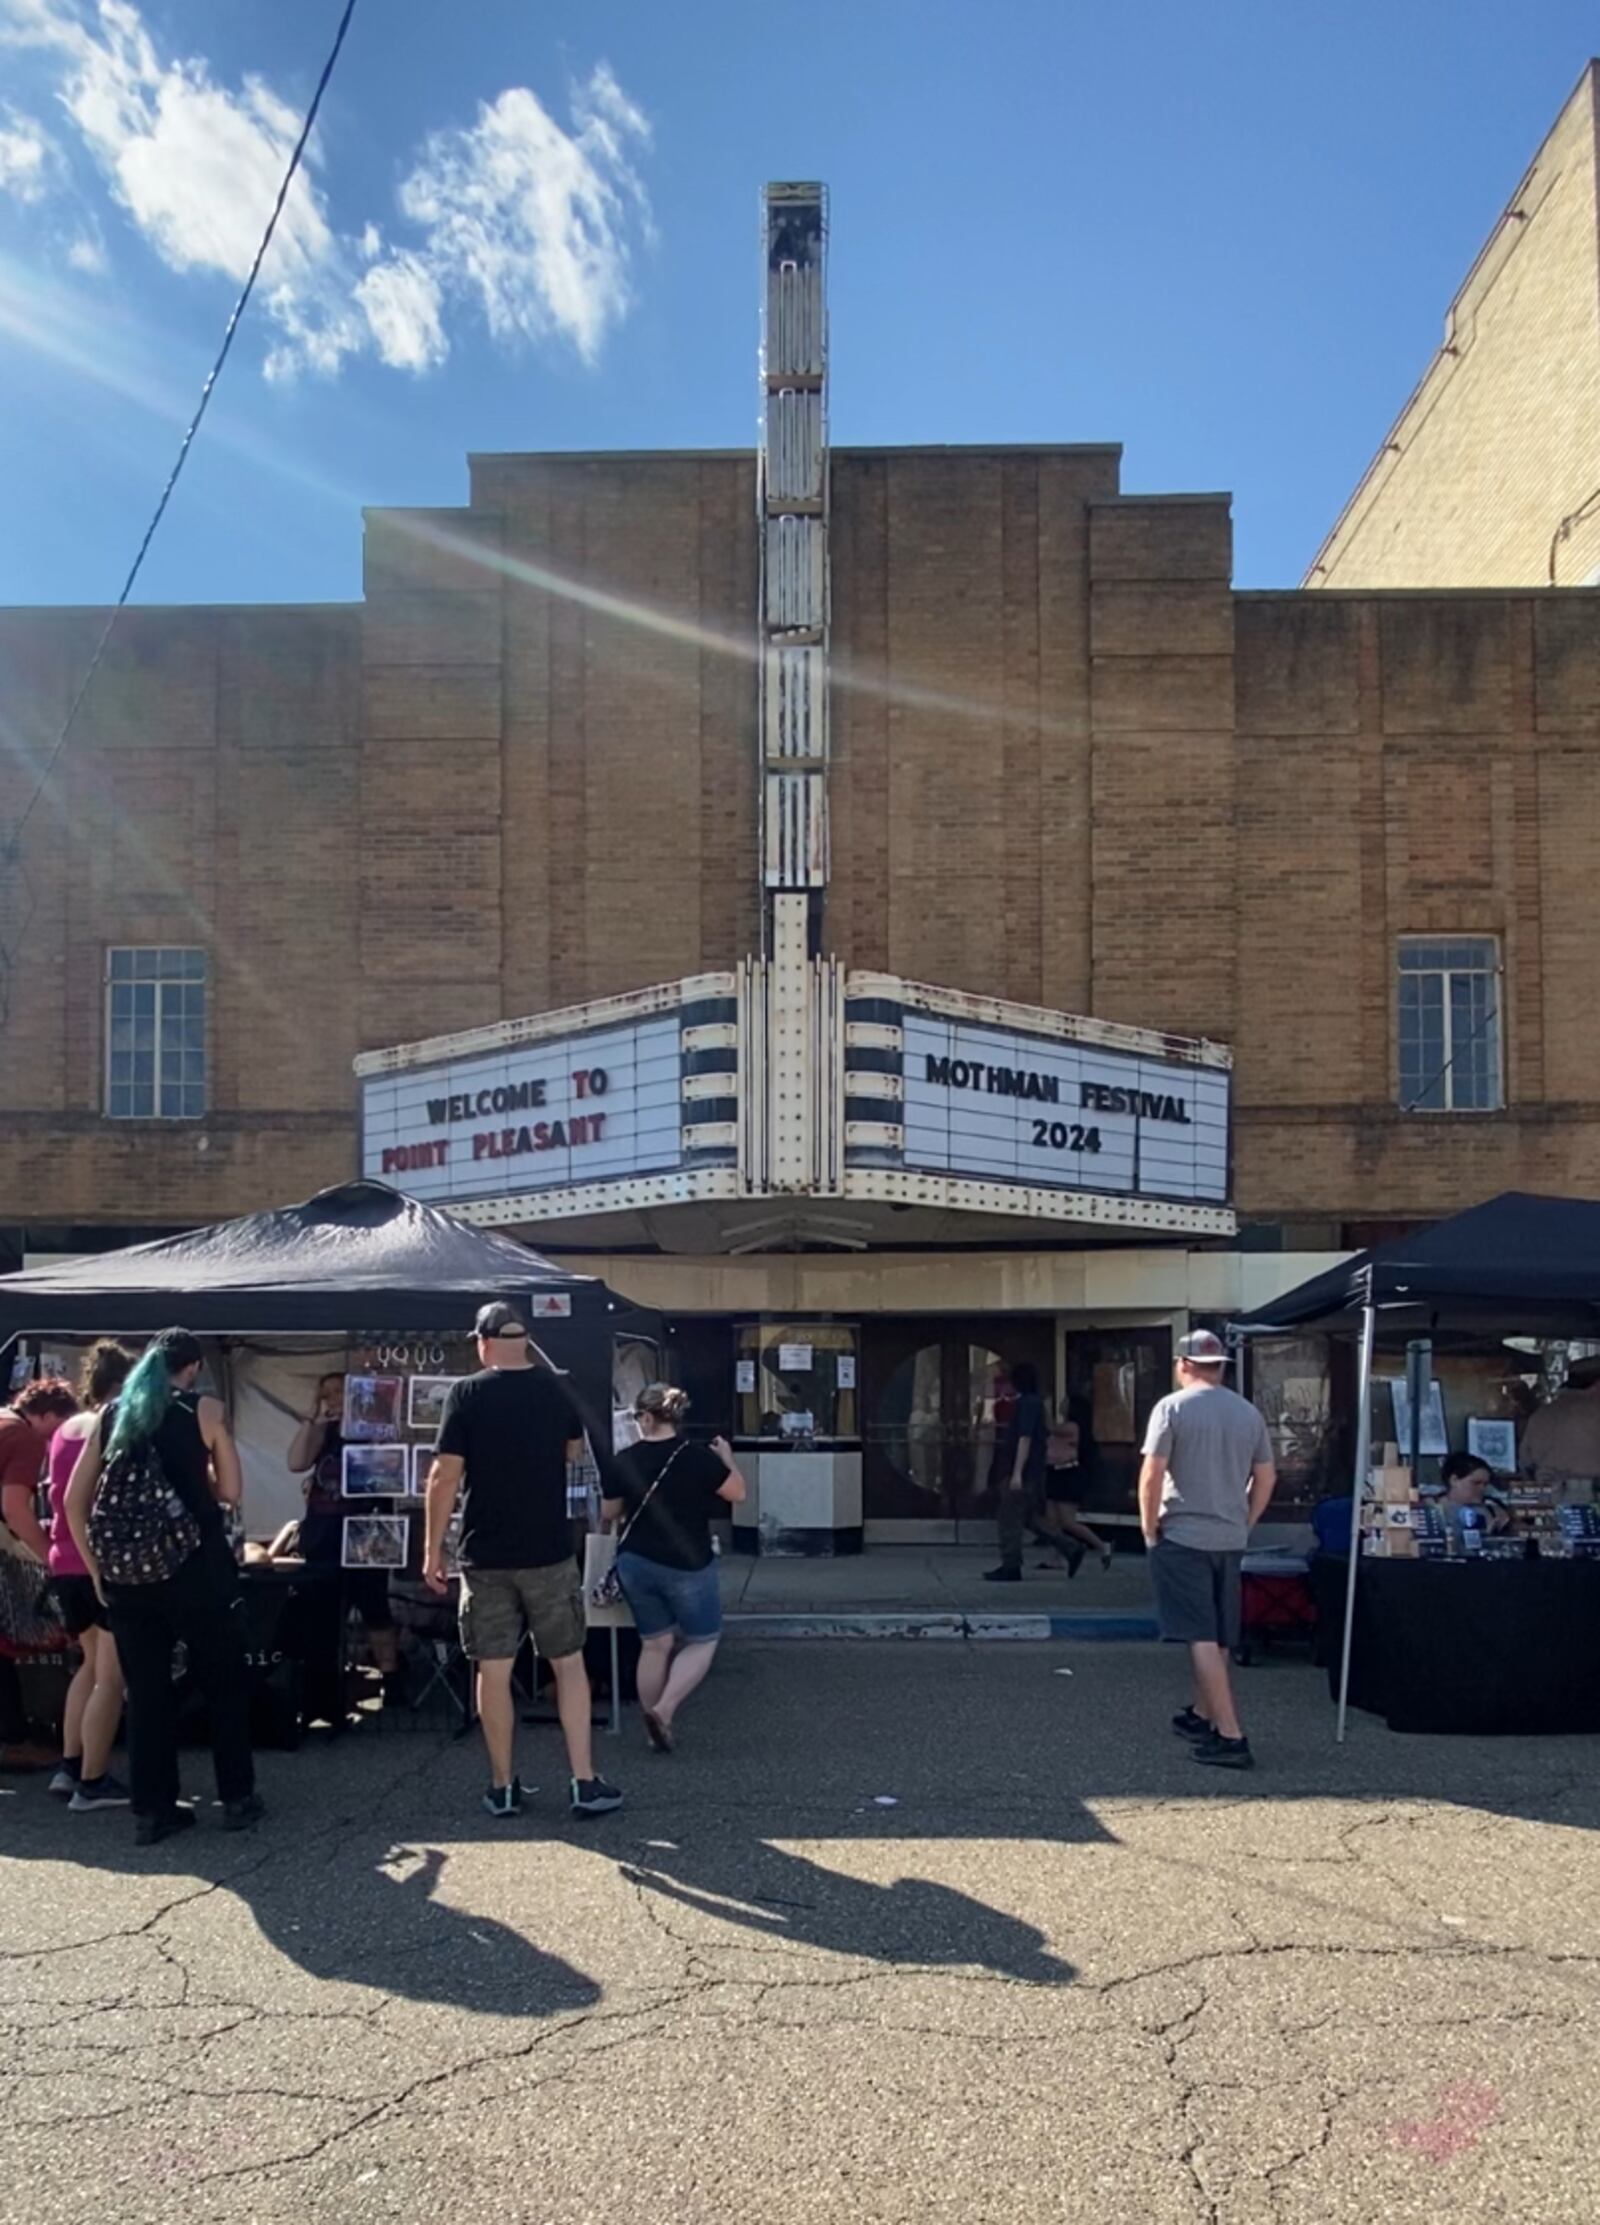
<point>1490,477</point>
<point>1073,767</point>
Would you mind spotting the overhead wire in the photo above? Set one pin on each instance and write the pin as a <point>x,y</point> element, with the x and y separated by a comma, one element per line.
<point>11,850</point>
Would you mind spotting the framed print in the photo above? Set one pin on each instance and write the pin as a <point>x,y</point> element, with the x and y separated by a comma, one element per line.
<point>372,1405</point>
<point>375,1541</point>
<point>426,1397</point>
<point>375,1471</point>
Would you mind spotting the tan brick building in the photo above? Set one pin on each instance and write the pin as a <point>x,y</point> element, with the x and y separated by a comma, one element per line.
<point>1490,476</point>
<point>1352,836</point>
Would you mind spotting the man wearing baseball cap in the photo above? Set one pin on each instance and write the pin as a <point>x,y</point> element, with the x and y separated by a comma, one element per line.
<point>508,1434</point>
<point>1207,1477</point>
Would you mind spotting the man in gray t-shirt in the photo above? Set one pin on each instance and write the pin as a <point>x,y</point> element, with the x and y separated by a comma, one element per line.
<point>1207,1477</point>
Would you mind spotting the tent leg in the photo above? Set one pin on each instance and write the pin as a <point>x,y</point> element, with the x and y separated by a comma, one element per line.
<point>1358,1492</point>
<point>616,1683</point>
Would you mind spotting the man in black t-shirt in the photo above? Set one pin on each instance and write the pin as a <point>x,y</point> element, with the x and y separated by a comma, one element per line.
<point>509,1433</point>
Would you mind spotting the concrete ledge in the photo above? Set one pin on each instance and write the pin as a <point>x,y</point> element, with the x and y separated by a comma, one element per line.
<point>1096,1626</point>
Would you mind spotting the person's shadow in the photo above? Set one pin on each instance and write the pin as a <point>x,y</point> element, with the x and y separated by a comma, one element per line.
<point>789,1901</point>
<point>383,1925</point>
<point>376,1920</point>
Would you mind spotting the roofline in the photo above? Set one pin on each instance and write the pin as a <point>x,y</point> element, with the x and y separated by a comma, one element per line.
<point>724,455</point>
<point>1543,593</point>
<point>1588,76</point>
<point>187,610</point>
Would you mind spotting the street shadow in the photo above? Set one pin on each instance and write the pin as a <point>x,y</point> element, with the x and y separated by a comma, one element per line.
<point>783,1897</point>
<point>356,1917</point>
<point>383,1924</point>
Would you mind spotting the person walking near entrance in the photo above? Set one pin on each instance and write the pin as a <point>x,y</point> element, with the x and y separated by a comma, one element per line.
<point>666,1491</point>
<point>145,1511</point>
<point>508,1434</point>
<point>1207,1478</point>
<point>1063,1520</point>
<point>1019,1474</point>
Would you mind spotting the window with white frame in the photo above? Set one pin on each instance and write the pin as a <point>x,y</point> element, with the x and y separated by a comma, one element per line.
<point>1449,1012</point>
<point>155,1034</point>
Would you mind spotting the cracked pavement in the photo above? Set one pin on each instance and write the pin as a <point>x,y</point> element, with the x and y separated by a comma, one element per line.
<point>1067,1975</point>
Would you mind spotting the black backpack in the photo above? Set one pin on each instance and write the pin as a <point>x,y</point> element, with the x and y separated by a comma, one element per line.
<point>141,1531</point>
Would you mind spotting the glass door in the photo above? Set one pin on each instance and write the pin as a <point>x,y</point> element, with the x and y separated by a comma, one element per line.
<point>937,1397</point>
<point>1114,1377</point>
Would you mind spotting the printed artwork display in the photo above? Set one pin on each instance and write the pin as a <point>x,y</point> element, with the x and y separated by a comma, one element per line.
<point>372,1406</point>
<point>375,1541</point>
<point>375,1471</point>
<point>1434,1442</point>
<point>428,1393</point>
<point>1495,1442</point>
<point>421,1462</point>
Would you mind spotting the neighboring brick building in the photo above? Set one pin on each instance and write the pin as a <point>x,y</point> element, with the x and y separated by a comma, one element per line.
<point>1490,476</point>
<point>1350,835</point>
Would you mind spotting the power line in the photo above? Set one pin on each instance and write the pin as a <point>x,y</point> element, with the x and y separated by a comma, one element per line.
<point>11,853</point>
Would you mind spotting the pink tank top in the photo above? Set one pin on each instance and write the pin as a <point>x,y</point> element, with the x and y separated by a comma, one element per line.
<point>65,1559</point>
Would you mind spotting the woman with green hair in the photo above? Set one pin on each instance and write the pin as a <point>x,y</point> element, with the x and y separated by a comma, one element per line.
<point>197,1601</point>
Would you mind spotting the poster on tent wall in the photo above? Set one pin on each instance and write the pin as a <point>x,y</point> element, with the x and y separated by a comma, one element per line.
<point>1435,1440</point>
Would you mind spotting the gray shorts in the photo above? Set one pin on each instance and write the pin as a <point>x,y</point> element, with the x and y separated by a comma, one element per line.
<point>1197,1594</point>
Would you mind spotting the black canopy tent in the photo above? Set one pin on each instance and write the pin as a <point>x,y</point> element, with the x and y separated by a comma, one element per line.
<point>1519,1261</point>
<point>361,1260</point>
<point>1538,1256</point>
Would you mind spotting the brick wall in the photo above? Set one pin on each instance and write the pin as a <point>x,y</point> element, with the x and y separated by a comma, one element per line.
<point>1501,441</point>
<point>1072,766</point>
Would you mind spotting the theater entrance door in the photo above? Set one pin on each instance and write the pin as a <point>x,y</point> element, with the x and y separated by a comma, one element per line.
<point>937,1394</point>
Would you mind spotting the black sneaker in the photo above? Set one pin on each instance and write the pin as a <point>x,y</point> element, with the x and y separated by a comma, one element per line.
<point>1218,1752</point>
<point>150,1830</point>
<point>98,1792</point>
<point>240,1815</point>
<point>594,1797</point>
<point>504,1801</point>
<point>1002,1575</point>
<point>1189,1725</point>
<point>64,1783</point>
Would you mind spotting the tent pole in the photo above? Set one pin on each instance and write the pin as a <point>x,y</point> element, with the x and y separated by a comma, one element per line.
<point>1358,1492</point>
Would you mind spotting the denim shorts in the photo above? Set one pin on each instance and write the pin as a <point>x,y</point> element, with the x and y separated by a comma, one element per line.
<point>687,1600</point>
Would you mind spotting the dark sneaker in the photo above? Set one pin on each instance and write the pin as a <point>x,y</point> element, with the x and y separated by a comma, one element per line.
<point>1225,1753</point>
<point>99,1792</point>
<point>1002,1575</point>
<point>149,1830</point>
<point>1076,1556</point>
<point>65,1781</point>
<point>504,1801</point>
<point>1189,1725</point>
<point>240,1815</point>
<point>594,1797</point>
<point>1107,1556</point>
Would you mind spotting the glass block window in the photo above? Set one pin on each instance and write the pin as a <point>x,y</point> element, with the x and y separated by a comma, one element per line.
<point>1449,1017</point>
<point>155,1034</point>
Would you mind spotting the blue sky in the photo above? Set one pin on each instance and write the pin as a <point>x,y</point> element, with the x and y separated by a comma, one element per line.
<point>1223,235</point>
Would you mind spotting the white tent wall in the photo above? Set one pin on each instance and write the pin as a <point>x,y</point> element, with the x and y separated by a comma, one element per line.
<point>270,1394</point>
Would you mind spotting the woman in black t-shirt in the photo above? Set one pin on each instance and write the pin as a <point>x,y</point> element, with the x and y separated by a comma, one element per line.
<point>666,1492</point>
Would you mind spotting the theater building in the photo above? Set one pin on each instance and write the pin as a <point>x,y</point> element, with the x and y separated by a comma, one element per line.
<point>898,912</point>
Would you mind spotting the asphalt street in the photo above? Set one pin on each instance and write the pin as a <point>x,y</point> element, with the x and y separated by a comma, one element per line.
<point>904,1932</point>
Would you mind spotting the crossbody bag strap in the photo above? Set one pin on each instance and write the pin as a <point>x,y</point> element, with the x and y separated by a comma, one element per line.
<point>666,1469</point>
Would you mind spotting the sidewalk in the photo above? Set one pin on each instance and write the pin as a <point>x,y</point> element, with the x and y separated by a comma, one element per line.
<point>933,1591</point>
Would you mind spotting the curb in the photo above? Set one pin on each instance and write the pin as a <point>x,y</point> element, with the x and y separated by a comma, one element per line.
<point>1106,1625</point>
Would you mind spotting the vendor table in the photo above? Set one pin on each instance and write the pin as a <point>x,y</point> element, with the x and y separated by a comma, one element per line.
<point>294,1647</point>
<point>1485,1646</point>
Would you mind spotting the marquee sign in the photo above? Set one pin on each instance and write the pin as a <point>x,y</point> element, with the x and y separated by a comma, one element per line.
<point>598,1106</point>
<point>1001,1105</point>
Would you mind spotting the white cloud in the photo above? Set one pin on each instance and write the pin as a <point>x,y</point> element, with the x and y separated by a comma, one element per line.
<point>530,222</point>
<point>29,158</point>
<point>534,221</point>
<point>88,254</point>
<point>402,302</point>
